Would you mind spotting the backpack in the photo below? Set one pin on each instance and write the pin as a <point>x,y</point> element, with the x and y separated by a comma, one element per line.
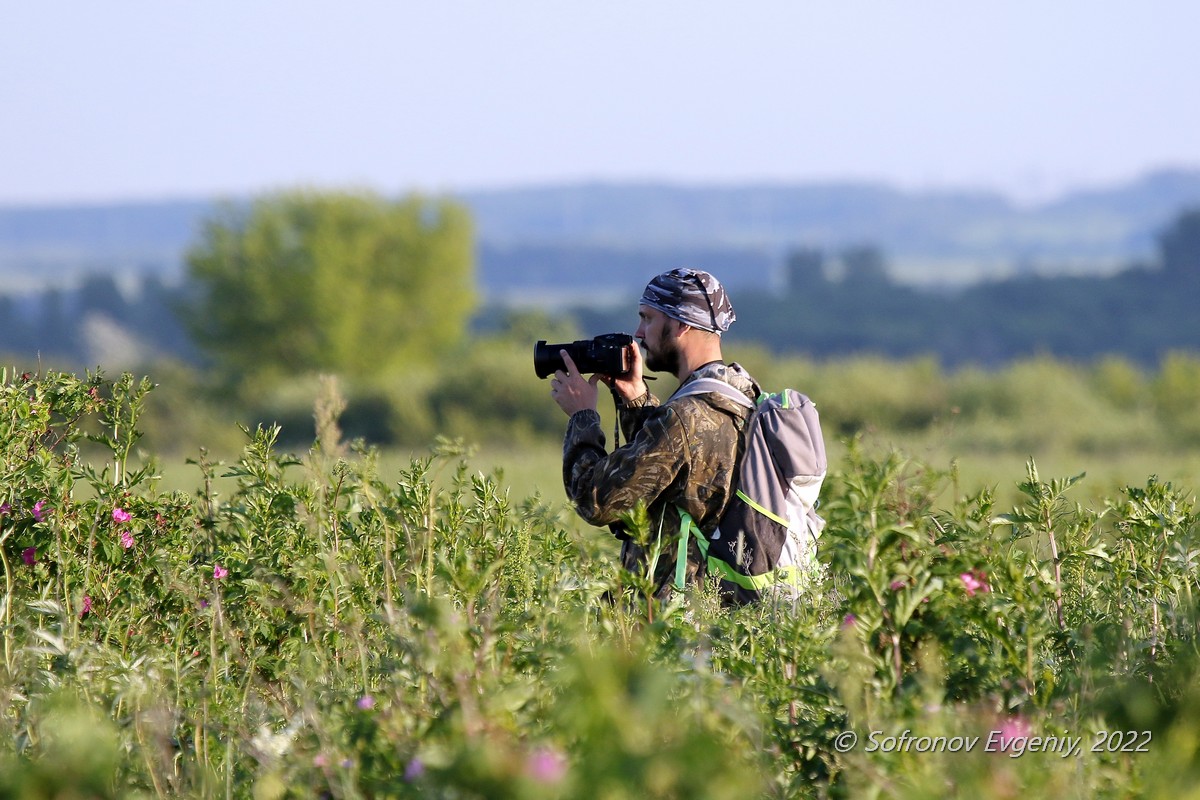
<point>766,539</point>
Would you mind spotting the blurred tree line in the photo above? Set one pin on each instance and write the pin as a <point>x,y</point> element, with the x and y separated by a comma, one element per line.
<point>835,307</point>
<point>1142,313</point>
<point>383,294</point>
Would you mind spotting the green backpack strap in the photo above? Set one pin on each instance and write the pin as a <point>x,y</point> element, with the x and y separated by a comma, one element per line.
<point>685,528</point>
<point>787,575</point>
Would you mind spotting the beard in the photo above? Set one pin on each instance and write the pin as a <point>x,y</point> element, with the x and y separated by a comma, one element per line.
<point>663,358</point>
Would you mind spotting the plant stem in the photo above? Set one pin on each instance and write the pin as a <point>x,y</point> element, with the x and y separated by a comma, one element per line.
<point>8,596</point>
<point>1058,595</point>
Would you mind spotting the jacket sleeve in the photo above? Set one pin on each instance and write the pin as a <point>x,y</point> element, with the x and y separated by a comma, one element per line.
<point>603,485</point>
<point>633,415</point>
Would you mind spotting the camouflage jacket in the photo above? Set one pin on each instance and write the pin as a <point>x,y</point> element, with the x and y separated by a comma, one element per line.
<point>682,453</point>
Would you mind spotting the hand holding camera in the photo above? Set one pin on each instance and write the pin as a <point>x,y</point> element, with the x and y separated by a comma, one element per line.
<point>613,358</point>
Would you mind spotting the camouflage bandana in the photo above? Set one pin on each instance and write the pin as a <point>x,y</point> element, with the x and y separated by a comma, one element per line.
<point>691,296</point>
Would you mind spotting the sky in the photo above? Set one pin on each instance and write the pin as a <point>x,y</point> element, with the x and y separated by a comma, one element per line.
<point>161,99</point>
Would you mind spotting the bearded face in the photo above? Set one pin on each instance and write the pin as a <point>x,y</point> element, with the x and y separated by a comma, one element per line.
<point>658,334</point>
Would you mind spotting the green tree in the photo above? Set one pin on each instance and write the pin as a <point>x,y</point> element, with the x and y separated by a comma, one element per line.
<point>349,283</point>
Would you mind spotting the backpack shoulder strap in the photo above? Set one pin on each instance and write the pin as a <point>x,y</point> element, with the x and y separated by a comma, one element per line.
<point>704,385</point>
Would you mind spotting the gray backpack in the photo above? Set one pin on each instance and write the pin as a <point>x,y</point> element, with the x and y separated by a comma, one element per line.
<point>767,538</point>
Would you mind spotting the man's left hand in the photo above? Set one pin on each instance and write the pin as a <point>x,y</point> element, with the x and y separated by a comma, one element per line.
<point>571,390</point>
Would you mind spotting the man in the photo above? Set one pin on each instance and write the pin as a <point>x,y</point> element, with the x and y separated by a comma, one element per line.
<point>679,454</point>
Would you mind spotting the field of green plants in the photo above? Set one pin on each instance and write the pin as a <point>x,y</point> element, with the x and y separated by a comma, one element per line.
<point>330,620</point>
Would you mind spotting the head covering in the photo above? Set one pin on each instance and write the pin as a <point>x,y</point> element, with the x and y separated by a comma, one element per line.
<point>691,296</point>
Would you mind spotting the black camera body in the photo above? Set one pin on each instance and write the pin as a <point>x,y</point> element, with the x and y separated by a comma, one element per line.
<point>607,354</point>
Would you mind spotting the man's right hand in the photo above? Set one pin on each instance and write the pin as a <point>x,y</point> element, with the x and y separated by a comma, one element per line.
<point>631,385</point>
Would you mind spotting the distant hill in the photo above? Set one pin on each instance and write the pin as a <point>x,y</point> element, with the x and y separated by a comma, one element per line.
<point>48,245</point>
<point>1118,221</point>
<point>538,238</point>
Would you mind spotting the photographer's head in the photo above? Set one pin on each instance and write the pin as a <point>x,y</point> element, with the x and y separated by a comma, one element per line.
<point>681,316</point>
<point>692,297</point>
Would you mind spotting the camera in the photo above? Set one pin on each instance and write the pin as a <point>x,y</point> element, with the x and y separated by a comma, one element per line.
<point>606,354</point>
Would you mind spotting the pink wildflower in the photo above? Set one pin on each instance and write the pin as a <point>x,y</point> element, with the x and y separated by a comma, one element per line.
<point>974,581</point>
<point>40,510</point>
<point>849,621</point>
<point>546,766</point>
<point>29,556</point>
<point>126,539</point>
<point>320,760</point>
<point>366,702</point>
<point>897,585</point>
<point>5,508</point>
<point>121,515</point>
<point>220,572</point>
<point>1012,728</point>
<point>87,605</point>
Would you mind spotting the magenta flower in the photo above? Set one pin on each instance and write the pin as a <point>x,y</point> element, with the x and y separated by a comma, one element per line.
<point>849,621</point>
<point>320,760</point>
<point>126,539</point>
<point>366,702</point>
<point>29,556</point>
<point>5,508</point>
<point>897,585</point>
<point>87,605</point>
<point>121,515</point>
<point>974,581</point>
<point>40,510</point>
<point>220,572</point>
<point>546,766</point>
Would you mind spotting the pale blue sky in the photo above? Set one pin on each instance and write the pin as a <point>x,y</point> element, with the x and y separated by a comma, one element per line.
<point>125,100</point>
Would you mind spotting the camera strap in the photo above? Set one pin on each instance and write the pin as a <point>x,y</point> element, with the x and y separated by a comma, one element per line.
<point>616,415</point>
